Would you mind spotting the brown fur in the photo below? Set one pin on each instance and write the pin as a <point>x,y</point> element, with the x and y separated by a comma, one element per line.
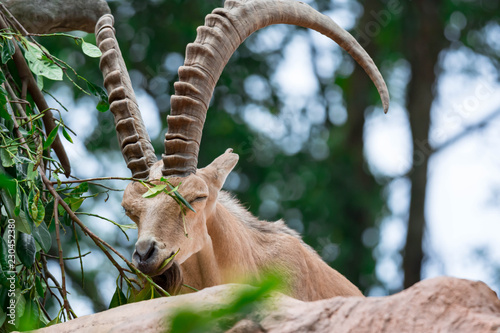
<point>226,243</point>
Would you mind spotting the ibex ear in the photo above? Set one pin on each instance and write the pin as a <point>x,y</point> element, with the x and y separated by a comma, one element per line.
<point>219,169</point>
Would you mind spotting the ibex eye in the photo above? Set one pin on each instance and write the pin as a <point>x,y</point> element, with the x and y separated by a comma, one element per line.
<point>199,199</point>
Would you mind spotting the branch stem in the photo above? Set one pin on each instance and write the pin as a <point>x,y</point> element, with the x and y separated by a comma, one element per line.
<point>61,260</point>
<point>27,78</point>
<point>100,242</point>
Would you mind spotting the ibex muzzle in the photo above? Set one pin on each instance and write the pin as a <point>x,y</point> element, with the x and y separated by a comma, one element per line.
<point>224,242</point>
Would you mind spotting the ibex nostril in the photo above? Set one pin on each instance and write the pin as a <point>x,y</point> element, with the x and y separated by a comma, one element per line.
<point>145,249</point>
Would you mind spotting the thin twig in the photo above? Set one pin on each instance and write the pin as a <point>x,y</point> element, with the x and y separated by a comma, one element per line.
<point>61,261</point>
<point>100,242</point>
<point>19,134</point>
<point>469,129</point>
<point>17,105</point>
<point>66,258</point>
<point>48,275</point>
<point>42,306</point>
<point>106,187</point>
<point>133,226</point>
<point>96,179</point>
<point>79,253</point>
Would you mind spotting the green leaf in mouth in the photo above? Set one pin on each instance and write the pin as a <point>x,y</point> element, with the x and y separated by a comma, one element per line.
<point>169,259</point>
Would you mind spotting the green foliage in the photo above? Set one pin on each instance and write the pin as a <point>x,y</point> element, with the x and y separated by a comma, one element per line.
<point>32,227</point>
<point>118,299</point>
<point>27,215</point>
<point>40,64</point>
<point>103,104</point>
<point>91,50</point>
<point>168,189</point>
<point>7,46</point>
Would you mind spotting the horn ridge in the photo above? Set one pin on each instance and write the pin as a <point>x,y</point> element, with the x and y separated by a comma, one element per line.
<point>225,29</point>
<point>133,138</point>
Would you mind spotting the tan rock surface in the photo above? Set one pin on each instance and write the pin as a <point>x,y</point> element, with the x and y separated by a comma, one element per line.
<point>436,305</point>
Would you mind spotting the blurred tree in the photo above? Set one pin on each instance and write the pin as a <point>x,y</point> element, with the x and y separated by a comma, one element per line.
<point>421,32</point>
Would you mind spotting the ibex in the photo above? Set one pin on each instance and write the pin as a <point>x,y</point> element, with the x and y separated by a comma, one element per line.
<point>225,241</point>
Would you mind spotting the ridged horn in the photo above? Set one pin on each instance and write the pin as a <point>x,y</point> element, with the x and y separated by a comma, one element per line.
<point>224,30</point>
<point>132,135</point>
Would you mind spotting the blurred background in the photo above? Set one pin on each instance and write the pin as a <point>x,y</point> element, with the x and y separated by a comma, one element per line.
<point>387,200</point>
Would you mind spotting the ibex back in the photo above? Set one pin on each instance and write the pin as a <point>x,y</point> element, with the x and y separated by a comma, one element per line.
<point>225,242</point>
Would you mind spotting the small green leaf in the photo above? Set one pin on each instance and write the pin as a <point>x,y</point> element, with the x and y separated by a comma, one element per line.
<point>4,253</point>
<point>184,201</point>
<point>2,77</point>
<point>39,82</point>
<point>58,180</point>
<point>144,294</point>
<point>40,212</point>
<point>33,50</point>
<point>7,183</point>
<point>80,189</point>
<point>3,104</point>
<point>66,135</point>
<point>17,210</point>
<point>4,266</point>
<point>92,88</point>
<point>41,286</point>
<point>73,202</point>
<point>8,49</point>
<point>7,158</point>
<point>51,137</point>
<point>41,65</point>
<point>154,191</point>
<point>91,50</point>
<point>102,106</point>
<point>118,298</point>
<point>49,212</point>
<point>42,236</point>
<point>47,69</point>
<point>54,321</point>
<point>26,249</point>
<point>32,205</point>
<point>126,227</point>
<point>33,211</point>
<point>23,223</point>
<point>36,207</point>
<point>32,172</point>
<point>20,303</point>
<point>169,259</point>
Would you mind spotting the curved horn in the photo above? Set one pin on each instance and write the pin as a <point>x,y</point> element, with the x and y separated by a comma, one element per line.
<point>224,30</point>
<point>132,135</point>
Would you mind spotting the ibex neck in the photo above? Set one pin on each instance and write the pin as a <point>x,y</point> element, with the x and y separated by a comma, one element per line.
<point>243,247</point>
<point>235,248</point>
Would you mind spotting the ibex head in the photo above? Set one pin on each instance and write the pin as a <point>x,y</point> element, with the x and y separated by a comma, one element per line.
<point>159,219</point>
<point>166,227</point>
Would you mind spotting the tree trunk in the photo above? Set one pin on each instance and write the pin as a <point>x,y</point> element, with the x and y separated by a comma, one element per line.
<point>423,20</point>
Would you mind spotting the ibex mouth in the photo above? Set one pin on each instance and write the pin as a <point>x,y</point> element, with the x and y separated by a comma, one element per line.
<point>170,279</point>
